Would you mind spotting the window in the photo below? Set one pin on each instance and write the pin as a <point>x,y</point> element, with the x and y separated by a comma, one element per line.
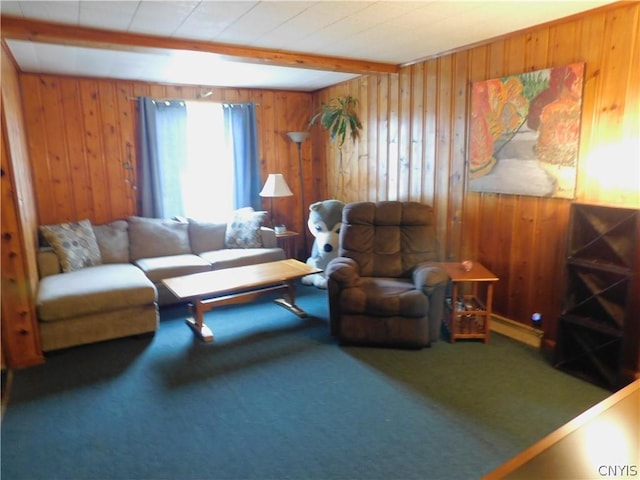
<point>197,159</point>
<point>208,183</point>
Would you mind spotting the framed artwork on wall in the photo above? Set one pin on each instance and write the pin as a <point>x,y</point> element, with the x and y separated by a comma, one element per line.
<point>525,132</point>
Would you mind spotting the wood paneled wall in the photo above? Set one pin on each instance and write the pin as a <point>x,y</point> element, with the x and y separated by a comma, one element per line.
<point>413,147</point>
<point>20,336</point>
<point>83,143</point>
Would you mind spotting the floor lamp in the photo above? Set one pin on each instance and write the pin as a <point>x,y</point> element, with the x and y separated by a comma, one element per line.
<point>298,138</point>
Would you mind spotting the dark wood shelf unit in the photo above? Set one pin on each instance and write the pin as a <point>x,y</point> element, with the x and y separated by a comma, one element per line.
<point>599,329</point>
<point>593,354</point>
<point>596,293</point>
<point>603,235</point>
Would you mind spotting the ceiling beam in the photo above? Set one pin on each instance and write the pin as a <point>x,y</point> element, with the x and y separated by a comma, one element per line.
<point>46,32</point>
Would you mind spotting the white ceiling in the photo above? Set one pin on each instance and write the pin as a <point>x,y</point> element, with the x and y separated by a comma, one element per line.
<point>393,32</point>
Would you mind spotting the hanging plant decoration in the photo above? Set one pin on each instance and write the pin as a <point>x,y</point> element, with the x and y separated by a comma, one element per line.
<point>338,116</point>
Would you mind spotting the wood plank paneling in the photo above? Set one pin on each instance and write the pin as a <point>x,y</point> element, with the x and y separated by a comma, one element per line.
<point>444,164</point>
<point>405,119</point>
<point>415,125</point>
<point>364,144</point>
<point>20,334</point>
<point>393,145</point>
<point>457,154</point>
<point>79,171</point>
<point>428,140</point>
<point>383,134</point>
<point>83,144</point>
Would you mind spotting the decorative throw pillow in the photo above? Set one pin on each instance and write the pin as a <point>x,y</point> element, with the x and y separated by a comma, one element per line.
<point>243,231</point>
<point>74,243</point>
<point>113,241</point>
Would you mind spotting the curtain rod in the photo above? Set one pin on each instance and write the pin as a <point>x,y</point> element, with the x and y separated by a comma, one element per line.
<point>186,100</point>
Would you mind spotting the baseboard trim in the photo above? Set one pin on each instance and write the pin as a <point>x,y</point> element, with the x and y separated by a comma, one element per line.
<point>517,331</point>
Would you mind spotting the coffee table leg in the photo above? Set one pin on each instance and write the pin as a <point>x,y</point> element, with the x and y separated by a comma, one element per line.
<point>289,300</point>
<point>197,322</point>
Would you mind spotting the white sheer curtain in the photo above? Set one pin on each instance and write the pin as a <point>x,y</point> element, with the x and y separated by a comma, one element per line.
<point>208,186</point>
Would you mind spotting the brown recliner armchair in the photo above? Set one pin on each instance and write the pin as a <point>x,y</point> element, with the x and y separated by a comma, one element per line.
<point>383,288</point>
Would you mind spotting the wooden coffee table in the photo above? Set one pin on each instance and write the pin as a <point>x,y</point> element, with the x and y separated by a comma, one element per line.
<point>230,286</point>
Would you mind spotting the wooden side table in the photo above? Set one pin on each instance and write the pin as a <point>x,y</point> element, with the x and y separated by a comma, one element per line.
<point>469,316</point>
<point>287,240</point>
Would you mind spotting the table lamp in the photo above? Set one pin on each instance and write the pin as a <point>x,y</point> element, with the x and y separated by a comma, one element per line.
<point>275,186</point>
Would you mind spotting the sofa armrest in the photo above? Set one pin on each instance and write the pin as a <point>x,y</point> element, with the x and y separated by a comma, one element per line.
<point>269,239</point>
<point>48,263</point>
<point>344,271</point>
<point>427,277</point>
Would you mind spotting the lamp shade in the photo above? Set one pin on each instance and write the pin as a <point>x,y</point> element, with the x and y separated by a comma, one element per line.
<point>275,186</point>
<point>298,137</point>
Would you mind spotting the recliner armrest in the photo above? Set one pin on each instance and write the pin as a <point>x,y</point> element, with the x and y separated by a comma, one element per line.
<point>344,271</point>
<point>427,277</point>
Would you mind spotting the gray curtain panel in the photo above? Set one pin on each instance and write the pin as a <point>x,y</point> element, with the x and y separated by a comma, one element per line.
<point>240,121</point>
<point>163,132</point>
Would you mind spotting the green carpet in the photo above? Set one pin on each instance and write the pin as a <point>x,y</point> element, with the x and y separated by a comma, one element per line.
<point>274,397</point>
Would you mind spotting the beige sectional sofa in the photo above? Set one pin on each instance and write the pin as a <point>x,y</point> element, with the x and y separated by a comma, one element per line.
<point>99,282</point>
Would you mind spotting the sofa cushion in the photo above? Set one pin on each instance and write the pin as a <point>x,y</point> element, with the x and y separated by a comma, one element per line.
<point>158,268</point>
<point>238,257</point>
<point>205,236</point>
<point>74,243</point>
<point>113,241</point>
<point>243,231</point>
<point>155,237</point>
<point>91,290</point>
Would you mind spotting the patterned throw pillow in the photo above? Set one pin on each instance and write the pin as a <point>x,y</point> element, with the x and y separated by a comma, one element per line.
<point>243,231</point>
<point>74,243</point>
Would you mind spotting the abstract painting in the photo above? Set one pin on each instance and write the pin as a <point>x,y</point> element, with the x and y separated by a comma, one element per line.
<point>525,132</point>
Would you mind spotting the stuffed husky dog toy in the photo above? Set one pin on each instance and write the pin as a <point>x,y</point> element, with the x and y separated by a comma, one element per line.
<point>325,219</point>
